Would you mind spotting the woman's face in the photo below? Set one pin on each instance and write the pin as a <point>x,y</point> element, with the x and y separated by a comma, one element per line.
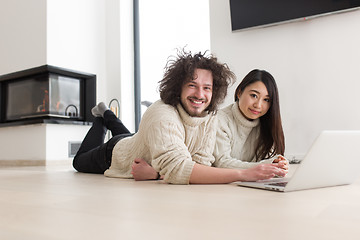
<point>254,101</point>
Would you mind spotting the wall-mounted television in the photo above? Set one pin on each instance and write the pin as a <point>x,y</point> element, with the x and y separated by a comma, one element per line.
<point>247,14</point>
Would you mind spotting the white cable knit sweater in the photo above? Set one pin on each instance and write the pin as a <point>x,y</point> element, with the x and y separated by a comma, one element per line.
<point>170,140</point>
<point>236,139</point>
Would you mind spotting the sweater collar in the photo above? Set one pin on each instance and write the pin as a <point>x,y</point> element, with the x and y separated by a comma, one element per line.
<point>241,119</point>
<point>189,120</point>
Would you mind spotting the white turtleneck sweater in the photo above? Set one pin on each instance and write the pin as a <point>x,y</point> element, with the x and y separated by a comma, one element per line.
<point>170,140</point>
<point>236,139</point>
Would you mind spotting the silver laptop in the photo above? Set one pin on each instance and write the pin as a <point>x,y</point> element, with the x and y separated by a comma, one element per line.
<point>333,160</point>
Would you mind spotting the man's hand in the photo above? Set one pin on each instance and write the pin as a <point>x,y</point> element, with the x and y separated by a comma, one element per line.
<point>141,170</point>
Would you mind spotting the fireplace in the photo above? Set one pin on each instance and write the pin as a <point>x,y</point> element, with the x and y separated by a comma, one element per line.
<point>47,94</point>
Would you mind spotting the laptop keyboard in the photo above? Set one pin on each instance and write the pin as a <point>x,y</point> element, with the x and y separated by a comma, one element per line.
<point>278,184</point>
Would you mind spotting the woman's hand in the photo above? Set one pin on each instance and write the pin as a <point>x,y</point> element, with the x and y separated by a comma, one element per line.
<point>262,172</point>
<point>211,175</point>
<point>281,162</point>
<point>141,170</point>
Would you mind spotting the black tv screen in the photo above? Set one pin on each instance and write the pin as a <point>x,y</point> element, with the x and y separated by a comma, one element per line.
<point>247,14</point>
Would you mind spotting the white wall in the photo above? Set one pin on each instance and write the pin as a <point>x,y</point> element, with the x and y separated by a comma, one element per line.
<point>315,64</point>
<point>57,138</point>
<point>83,35</point>
<point>38,144</point>
<point>86,35</point>
<point>22,34</point>
<point>27,142</point>
<point>76,37</point>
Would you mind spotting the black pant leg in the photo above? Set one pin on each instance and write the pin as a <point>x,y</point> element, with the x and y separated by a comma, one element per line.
<point>114,124</point>
<point>90,156</point>
<point>98,160</point>
<point>94,156</point>
<point>95,136</point>
<point>92,161</point>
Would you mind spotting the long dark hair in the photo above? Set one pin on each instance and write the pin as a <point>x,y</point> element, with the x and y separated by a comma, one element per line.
<point>181,69</point>
<point>271,140</point>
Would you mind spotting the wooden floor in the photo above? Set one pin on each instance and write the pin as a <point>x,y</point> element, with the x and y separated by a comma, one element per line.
<point>58,203</point>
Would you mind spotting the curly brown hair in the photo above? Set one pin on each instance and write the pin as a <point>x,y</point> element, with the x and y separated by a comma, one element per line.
<point>180,70</point>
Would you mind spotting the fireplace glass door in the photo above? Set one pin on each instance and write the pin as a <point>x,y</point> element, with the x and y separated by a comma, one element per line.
<point>49,95</point>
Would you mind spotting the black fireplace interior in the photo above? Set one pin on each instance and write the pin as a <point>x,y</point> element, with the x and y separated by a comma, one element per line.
<point>47,94</point>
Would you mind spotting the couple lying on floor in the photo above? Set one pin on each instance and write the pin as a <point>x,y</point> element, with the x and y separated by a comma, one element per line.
<point>183,138</point>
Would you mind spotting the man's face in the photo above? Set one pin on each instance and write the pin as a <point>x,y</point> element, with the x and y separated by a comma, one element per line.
<point>196,94</point>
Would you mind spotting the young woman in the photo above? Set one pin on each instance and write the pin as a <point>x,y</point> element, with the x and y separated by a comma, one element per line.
<point>250,131</point>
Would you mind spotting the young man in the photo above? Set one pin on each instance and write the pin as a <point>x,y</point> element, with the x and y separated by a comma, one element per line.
<point>176,134</point>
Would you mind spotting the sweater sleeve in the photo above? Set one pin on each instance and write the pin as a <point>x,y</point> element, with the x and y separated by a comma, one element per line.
<point>169,154</point>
